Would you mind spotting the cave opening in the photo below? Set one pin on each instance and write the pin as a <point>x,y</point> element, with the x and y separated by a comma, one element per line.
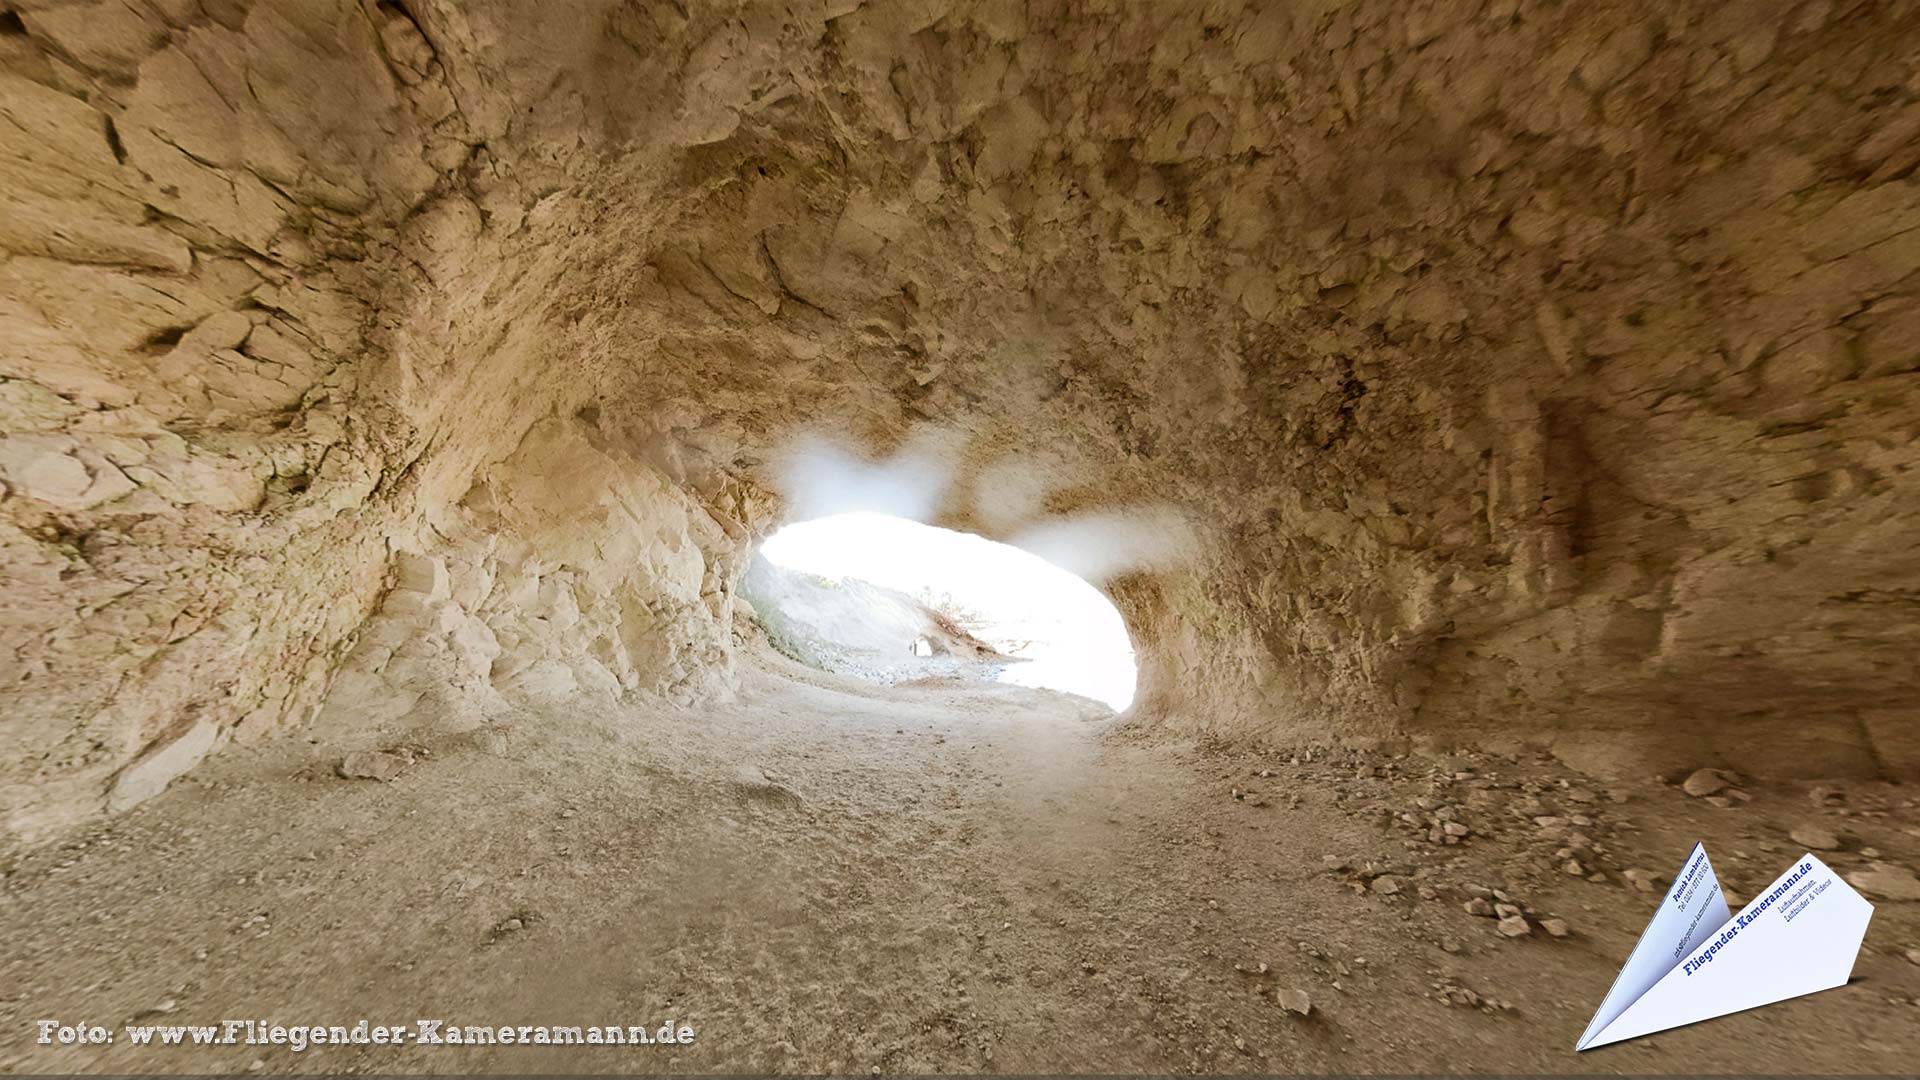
<point>890,599</point>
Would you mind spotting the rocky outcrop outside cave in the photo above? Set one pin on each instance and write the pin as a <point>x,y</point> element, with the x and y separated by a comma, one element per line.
<point>857,628</point>
<point>1527,374</point>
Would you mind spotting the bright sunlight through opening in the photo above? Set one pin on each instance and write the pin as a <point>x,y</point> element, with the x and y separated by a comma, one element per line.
<point>1062,633</point>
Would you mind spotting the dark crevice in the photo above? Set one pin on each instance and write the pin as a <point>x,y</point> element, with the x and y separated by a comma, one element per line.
<point>163,340</point>
<point>113,139</point>
<point>393,9</point>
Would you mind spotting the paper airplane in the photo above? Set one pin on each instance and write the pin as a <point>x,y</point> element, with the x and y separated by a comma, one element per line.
<point>1695,961</point>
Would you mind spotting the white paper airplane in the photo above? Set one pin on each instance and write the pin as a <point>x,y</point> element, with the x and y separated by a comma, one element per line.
<point>1695,962</point>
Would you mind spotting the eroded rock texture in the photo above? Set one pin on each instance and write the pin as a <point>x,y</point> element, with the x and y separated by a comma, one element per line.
<point>1523,371</point>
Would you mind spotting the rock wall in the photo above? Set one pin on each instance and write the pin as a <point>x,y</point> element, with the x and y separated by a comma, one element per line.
<point>193,500</point>
<point>1536,372</point>
<point>569,568</point>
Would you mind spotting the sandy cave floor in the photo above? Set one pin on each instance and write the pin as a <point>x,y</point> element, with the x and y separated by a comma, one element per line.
<point>951,878</point>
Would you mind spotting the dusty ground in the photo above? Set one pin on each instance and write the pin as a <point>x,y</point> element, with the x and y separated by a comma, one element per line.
<point>951,878</point>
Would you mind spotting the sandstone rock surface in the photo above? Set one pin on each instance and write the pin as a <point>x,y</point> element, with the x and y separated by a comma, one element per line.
<point>1541,376</point>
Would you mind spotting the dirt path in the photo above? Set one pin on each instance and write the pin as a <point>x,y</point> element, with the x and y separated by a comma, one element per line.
<point>829,877</point>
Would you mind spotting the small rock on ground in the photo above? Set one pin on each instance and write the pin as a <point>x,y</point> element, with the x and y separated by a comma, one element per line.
<point>372,765</point>
<point>1815,837</point>
<point>1884,881</point>
<point>1705,782</point>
